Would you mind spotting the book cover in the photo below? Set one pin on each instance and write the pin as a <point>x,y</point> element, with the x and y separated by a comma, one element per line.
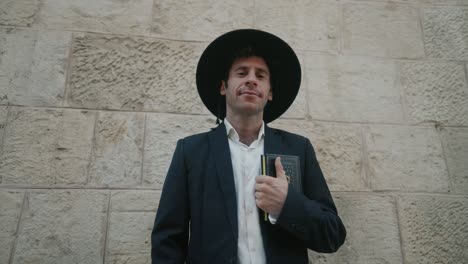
<point>290,166</point>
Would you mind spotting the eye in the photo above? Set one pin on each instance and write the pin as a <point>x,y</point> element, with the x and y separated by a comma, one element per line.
<point>241,73</point>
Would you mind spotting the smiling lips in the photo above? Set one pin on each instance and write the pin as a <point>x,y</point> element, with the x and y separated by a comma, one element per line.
<point>249,92</point>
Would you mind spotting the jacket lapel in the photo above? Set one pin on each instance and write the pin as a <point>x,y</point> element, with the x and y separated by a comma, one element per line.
<point>272,145</point>
<point>222,157</point>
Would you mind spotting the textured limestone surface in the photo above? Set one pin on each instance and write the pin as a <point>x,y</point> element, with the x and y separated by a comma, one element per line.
<point>352,88</point>
<point>135,200</point>
<point>338,148</point>
<point>382,29</point>
<point>114,72</point>
<point>455,142</point>
<point>372,227</point>
<point>200,20</point>
<point>435,91</point>
<point>10,207</point>
<point>405,158</point>
<point>129,237</point>
<point>434,228</point>
<point>109,16</point>
<point>131,222</point>
<point>446,32</point>
<point>46,146</point>
<point>304,24</point>
<point>18,12</point>
<point>62,226</point>
<point>32,66</point>
<point>162,133</point>
<point>117,150</point>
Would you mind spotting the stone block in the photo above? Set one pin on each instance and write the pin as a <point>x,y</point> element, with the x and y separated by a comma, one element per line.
<point>435,92</point>
<point>107,16</point>
<point>10,208</point>
<point>382,29</point>
<point>162,133</point>
<point>304,24</point>
<point>135,200</point>
<point>405,158</point>
<point>131,222</point>
<point>338,148</point>
<point>132,258</point>
<point>62,226</point>
<point>115,72</point>
<point>350,88</point>
<point>33,65</point>
<point>46,146</point>
<point>446,32</point>
<point>129,237</point>
<point>433,228</point>
<point>200,20</point>
<point>372,226</point>
<point>18,12</point>
<point>118,149</point>
<point>455,142</point>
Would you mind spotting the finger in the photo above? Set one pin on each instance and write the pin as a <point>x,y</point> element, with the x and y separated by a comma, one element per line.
<point>261,204</point>
<point>258,187</point>
<point>263,179</point>
<point>279,168</point>
<point>259,195</point>
<point>262,188</point>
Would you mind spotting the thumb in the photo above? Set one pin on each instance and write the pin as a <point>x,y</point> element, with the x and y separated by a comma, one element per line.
<point>279,168</point>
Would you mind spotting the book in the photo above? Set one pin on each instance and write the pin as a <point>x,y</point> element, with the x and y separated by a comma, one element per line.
<point>291,167</point>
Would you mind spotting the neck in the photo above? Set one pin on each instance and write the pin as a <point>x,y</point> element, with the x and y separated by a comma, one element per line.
<point>247,127</point>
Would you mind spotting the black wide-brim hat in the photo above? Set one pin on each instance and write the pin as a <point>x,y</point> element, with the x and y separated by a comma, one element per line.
<point>216,61</point>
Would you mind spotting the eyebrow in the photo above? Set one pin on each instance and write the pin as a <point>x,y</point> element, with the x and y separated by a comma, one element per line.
<point>261,70</point>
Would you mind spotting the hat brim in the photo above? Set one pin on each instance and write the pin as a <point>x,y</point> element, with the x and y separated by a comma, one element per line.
<point>213,62</point>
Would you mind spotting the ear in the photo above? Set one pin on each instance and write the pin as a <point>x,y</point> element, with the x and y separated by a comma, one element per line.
<point>222,89</point>
<point>270,95</point>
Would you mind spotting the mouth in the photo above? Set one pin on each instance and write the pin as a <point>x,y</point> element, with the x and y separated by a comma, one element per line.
<point>249,92</point>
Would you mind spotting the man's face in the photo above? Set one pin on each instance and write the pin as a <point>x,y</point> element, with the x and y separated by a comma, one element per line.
<point>248,87</point>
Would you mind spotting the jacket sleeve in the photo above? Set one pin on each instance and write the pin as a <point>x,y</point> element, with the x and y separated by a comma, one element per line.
<point>169,238</point>
<point>312,217</point>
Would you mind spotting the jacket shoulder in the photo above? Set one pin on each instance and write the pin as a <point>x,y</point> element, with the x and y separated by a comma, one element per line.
<point>289,136</point>
<point>196,141</point>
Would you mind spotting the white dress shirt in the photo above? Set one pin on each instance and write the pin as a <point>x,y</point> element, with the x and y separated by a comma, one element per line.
<point>246,166</point>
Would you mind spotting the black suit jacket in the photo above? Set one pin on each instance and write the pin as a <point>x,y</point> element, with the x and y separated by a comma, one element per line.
<point>196,220</point>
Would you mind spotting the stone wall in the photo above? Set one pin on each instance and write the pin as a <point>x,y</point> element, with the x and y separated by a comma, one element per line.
<point>94,95</point>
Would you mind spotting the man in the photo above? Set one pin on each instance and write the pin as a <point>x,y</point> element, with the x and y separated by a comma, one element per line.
<point>213,201</point>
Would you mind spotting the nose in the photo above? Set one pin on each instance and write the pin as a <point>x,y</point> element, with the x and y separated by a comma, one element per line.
<point>251,81</point>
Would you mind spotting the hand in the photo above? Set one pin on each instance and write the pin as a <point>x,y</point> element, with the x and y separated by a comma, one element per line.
<point>271,192</point>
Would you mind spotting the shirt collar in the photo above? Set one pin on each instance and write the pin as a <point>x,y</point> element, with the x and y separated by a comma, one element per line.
<point>232,133</point>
